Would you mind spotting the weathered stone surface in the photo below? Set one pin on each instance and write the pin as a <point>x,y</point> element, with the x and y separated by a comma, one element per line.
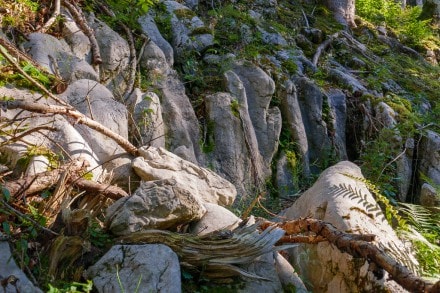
<point>158,164</point>
<point>286,182</point>
<point>115,54</point>
<point>311,100</point>
<point>258,170</point>
<point>159,204</point>
<point>181,124</point>
<point>149,27</point>
<point>259,88</point>
<point>347,80</point>
<point>95,101</point>
<point>338,108</point>
<point>272,38</point>
<point>230,156</point>
<point>263,266</point>
<point>147,124</point>
<point>429,196</point>
<point>429,155</point>
<point>291,111</point>
<point>189,33</point>
<point>8,268</point>
<point>215,218</point>
<point>55,55</point>
<point>79,43</point>
<point>65,140</point>
<point>329,199</point>
<point>288,276</point>
<point>149,268</point>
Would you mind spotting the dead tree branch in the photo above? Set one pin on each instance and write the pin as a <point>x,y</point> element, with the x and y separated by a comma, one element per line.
<point>52,19</point>
<point>79,118</point>
<point>88,31</point>
<point>109,191</point>
<point>357,247</point>
<point>33,81</point>
<point>322,47</point>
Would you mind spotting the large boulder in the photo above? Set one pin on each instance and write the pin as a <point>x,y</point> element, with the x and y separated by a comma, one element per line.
<point>115,54</point>
<point>225,140</point>
<point>133,268</point>
<point>13,279</point>
<point>158,164</point>
<point>259,88</point>
<point>96,102</point>
<point>56,56</point>
<point>160,204</point>
<point>311,100</point>
<point>64,139</point>
<point>345,202</point>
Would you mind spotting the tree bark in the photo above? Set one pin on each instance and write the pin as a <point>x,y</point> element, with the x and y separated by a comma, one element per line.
<point>358,246</point>
<point>343,10</point>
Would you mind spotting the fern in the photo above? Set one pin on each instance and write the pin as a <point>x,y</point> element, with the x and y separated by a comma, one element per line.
<point>391,212</point>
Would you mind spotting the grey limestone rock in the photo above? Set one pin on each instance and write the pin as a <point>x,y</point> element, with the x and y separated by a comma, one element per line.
<point>137,268</point>
<point>429,154</point>
<point>8,267</point>
<point>56,56</point>
<point>429,196</point>
<point>115,54</point>
<point>215,218</point>
<point>95,101</point>
<point>149,27</point>
<point>325,267</point>
<point>204,184</point>
<point>159,204</point>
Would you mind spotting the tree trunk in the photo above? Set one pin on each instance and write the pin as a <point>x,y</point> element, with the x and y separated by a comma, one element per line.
<point>343,11</point>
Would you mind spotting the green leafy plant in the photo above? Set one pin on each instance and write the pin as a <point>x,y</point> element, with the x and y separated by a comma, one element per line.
<point>74,287</point>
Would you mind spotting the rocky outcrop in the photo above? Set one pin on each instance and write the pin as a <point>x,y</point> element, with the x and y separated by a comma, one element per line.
<point>159,164</point>
<point>129,268</point>
<point>345,202</point>
<point>429,154</point>
<point>160,204</point>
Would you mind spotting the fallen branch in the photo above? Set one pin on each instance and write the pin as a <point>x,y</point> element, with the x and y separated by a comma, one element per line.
<point>14,51</point>
<point>52,19</point>
<point>33,81</point>
<point>322,47</point>
<point>82,23</point>
<point>109,191</point>
<point>79,118</point>
<point>42,181</point>
<point>70,173</point>
<point>358,248</point>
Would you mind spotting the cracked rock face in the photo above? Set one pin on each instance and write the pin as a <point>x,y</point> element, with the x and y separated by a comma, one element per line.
<point>160,204</point>
<point>160,164</point>
<point>150,268</point>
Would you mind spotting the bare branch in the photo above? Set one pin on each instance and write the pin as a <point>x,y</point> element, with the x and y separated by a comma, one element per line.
<point>79,117</point>
<point>52,19</point>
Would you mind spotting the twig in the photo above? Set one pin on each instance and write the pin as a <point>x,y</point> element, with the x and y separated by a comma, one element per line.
<point>357,248</point>
<point>79,117</point>
<point>305,18</point>
<point>25,133</point>
<point>82,23</point>
<point>20,214</point>
<point>322,47</point>
<point>52,19</point>
<point>10,47</point>
<point>33,81</point>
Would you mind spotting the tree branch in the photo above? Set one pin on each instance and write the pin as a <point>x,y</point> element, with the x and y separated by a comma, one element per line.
<point>79,117</point>
<point>358,248</point>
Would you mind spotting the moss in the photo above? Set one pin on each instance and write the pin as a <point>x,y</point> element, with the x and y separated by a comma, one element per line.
<point>235,108</point>
<point>184,13</point>
<point>201,31</point>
